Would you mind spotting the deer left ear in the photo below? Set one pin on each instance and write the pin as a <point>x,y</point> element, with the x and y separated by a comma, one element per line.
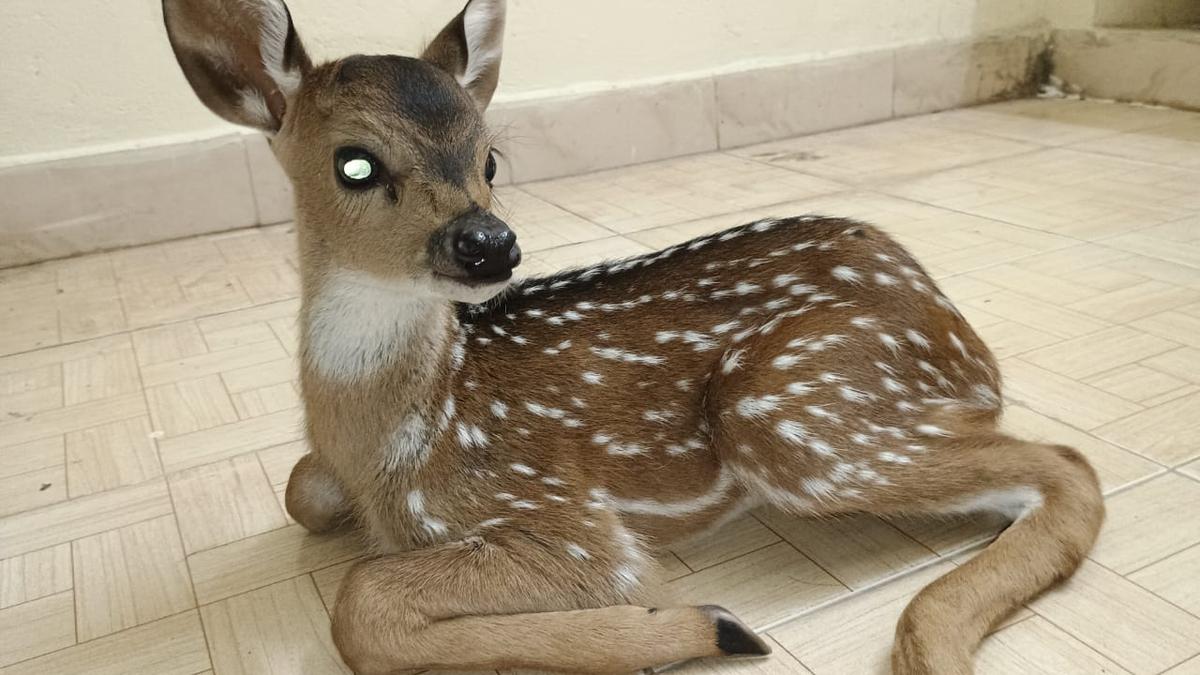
<point>469,48</point>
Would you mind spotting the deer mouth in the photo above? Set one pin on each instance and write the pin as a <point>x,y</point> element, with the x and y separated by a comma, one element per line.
<point>476,281</point>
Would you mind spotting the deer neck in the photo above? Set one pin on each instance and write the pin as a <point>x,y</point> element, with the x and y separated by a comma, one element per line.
<point>375,359</point>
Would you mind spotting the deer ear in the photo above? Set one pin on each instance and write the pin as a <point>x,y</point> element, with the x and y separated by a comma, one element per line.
<point>469,48</point>
<point>242,57</point>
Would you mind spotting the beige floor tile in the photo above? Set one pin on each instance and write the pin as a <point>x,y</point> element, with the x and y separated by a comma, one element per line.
<point>881,151</point>
<point>266,558</point>
<point>854,635</point>
<point>1057,122</point>
<point>287,333</point>
<point>25,392</point>
<point>1173,325</point>
<point>1158,269</point>
<point>1165,433</point>
<point>111,456</point>
<point>279,371</point>
<point>1008,338</point>
<point>855,550</point>
<point>277,461</point>
<point>27,328</point>
<point>33,456</point>
<point>1082,357</point>
<point>100,377</point>
<point>763,587</point>
<point>1192,469</point>
<point>1135,382</point>
<point>1189,667</point>
<point>1063,191</point>
<point>66,521</point>
<point>32,490</point>
<point>1061,397</point>
<point>129,576</point>
<point>88,317</point>
<point>265,313</point>
<point>270,283</point>
<point>171,646</point>
<point>1130,540</point>
<point>266,400</point>
<point>329,581</point>
<point>36,627</point>
<point>1180,363</point>
<point>238,336</point>
<point>282,628</point>
<point>578,255</point>
<point>742,536</point>
<point>1044,316</point>
<point>947,535</point>
<point>190,405</point>
<point>35,575</point>
<point>191,367</point>
<point>71,418</point>
<point>1047,287</point>
<point>229,440</point>
<point>1037,647</point>
<point>1187,255</point>
<point>223,502</point>
<point>1135,302</point>
<point>670,566</point>
<point>1115,466</point>
<point>1139,631</point>
<point>1176,143</point>
<point>1174,578</point>
<point>168,343</point>
<point>541,225</point>
<point>780,662</point>
<point>62,353</point>
<point>677,190</point>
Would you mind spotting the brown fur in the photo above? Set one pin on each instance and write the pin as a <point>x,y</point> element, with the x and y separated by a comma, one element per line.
<point>513,462</point>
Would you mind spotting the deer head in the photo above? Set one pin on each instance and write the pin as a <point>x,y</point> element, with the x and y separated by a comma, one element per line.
<point>389,155</point>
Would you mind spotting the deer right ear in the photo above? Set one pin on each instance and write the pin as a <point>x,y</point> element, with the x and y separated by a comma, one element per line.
<point>242,57</point>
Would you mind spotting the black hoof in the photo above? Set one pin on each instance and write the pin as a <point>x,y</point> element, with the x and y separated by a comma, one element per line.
<point>734,638</point>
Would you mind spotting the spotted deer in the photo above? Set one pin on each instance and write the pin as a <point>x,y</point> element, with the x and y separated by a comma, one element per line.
<point>515,452</point>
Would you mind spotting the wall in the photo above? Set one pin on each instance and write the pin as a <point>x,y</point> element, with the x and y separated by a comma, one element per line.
<point>80,77</point>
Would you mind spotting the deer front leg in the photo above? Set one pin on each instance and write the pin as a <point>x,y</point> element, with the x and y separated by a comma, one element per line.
<point>478,605</point>
<point>314,498</point>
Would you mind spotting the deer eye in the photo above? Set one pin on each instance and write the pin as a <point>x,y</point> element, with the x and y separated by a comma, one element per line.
<point>355,167</point>
<point>489,167</point>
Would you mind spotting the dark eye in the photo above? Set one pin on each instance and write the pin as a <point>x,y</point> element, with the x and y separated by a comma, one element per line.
<point>489,167</point>
<point>356,168</point>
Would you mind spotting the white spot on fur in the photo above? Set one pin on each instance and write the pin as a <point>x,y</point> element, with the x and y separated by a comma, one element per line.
<point>793,432</point>
<point>757,406</point>
<point>499,409</point>
<point>1015,502</point>
<point>847,274</point>
<point>523,469</point>
<point>416,506</point>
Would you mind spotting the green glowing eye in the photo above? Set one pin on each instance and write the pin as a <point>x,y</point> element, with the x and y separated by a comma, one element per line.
<point>358,169</point>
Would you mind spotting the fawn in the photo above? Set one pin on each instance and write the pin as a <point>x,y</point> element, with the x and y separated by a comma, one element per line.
<point>514,452</point>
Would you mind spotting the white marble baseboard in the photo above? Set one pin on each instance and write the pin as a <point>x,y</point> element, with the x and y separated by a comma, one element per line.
<point>72,206</point>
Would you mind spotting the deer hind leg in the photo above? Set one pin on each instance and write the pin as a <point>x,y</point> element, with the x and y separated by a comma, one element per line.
<point>476,605</point>
<point>314,498</point>
<point>1054,497</point>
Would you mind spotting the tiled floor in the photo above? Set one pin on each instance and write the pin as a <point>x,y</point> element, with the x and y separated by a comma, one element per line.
<point>148,409</point>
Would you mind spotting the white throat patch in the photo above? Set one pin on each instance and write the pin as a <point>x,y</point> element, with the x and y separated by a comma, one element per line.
<point>359,323</point>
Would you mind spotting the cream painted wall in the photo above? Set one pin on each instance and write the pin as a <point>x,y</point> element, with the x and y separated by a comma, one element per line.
<point>79,76</point>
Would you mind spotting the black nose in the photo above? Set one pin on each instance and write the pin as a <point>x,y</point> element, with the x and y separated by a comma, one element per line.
<point>487,248</point>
